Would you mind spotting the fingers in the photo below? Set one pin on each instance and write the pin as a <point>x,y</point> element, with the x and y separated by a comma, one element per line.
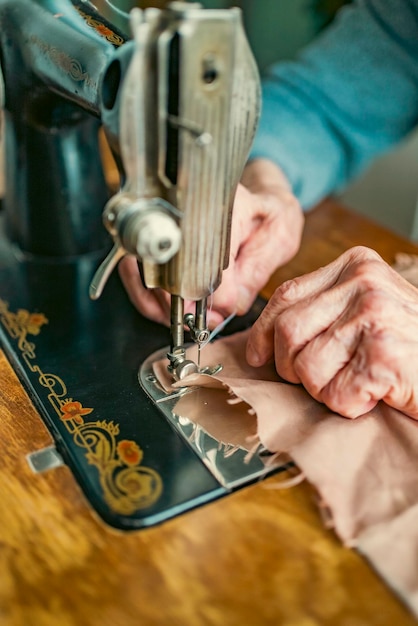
<point>155,303</point>
<point>224,300</point>
<point>261,344</point>
<point>152,303</point>
<point>240,280</point>
<point>372,374</point>
<point>347,344</point>
<point>266,232</point>
<point>315,338</point>
<point>314,313</point>
<point>347,333</point>
<point>385,361</point>
<point>272,243</point>
<point>351,393</point>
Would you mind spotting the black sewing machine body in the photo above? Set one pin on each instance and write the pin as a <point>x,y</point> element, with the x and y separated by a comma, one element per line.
<point>78,358</point>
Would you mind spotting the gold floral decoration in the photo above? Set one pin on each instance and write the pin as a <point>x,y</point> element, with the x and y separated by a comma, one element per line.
<point>127,485</point>
<point>101,28</point>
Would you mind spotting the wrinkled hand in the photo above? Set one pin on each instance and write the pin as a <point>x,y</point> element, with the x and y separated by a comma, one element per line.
<point>266,230</point>
<point>348,332</point>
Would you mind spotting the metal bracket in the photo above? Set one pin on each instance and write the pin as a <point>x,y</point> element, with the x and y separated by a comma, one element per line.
<point>44,460</point>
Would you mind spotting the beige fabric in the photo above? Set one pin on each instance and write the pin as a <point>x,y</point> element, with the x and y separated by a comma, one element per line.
<point>365,470</point>
<point>407,266</point>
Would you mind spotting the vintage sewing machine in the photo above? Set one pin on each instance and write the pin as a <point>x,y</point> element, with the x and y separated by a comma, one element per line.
<point>177,94</point>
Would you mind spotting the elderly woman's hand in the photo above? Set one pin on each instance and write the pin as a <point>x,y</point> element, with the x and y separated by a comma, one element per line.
<point>267,225</point>
<point>348,332</point>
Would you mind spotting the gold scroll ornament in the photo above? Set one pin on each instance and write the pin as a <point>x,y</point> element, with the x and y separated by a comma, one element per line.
<point>127,485</point>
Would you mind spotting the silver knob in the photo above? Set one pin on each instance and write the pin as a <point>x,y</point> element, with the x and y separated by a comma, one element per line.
<point>154,235</point>
<point>145,227</point>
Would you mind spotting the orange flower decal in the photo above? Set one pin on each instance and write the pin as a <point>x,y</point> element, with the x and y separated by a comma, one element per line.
<point>36,320</point>
<point>31,322</point>
<point>74,411</point>
<point>129,452</point>
<point>103,30</point>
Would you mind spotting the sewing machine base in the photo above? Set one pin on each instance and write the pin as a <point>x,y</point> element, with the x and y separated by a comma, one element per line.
<point>78,361</point>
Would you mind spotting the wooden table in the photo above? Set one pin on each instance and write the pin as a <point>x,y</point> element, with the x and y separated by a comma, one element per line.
<point>259,556</point>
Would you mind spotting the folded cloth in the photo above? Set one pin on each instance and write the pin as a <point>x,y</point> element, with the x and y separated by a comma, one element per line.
<point>365,469</point>
<point>407,266</point>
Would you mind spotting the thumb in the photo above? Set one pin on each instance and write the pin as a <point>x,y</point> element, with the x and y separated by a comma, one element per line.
<point>224,299</point>
<point>253,268</point>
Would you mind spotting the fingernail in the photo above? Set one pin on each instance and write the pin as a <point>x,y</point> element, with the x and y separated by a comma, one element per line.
<point>244,300</point>
<point>213,319</point>
<point>253,356</point>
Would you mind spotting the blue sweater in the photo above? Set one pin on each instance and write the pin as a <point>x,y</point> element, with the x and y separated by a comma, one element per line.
<point>349,96</point>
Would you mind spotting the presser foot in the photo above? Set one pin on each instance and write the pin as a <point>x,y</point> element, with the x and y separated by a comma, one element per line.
<point>223,437</point>
<point>180,367</point>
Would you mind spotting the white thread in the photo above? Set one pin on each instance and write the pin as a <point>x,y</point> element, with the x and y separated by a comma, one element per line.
<point>218,329</point>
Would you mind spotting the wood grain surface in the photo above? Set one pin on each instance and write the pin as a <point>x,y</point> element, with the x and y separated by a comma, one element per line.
<point>331,229</point>
<point>260,556</point>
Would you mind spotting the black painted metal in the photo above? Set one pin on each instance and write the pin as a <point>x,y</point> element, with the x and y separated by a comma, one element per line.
<point>88,353</point>
<point>95,349</point>
<point>52,62</point>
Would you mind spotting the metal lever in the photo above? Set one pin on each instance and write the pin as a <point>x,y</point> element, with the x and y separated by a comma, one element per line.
<point>105,269</point>
<point>144,227</point>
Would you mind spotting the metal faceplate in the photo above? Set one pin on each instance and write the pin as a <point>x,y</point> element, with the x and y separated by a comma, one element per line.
<point>231,464</point>
<point>186,129</point>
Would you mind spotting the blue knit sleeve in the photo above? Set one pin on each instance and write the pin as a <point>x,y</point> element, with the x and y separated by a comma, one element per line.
<point>349,96</point>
